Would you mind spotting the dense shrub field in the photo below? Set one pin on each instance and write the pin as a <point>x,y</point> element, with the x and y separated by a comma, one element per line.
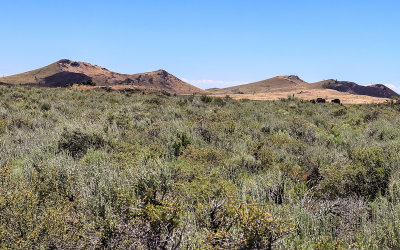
<point>93,169</point>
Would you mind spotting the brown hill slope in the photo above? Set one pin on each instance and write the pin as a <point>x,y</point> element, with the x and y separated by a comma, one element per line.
<point>275,84</point>
<point>65,72</point>
<point>285,84</point>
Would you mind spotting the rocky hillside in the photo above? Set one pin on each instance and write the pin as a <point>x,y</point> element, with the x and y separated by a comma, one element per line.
<point>377,90</point>
<point>65,73</point>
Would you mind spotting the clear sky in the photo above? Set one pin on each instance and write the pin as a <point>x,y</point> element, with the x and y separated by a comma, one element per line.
<point>209,43</point>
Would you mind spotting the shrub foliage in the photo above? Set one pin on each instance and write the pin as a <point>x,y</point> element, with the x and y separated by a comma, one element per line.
<point>105,170</point>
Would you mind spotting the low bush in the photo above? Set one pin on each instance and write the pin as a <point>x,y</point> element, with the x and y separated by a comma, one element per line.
<point>241,225</point>
<point>206,98</point>
<point>45,106</point>
<point>77,143</point>
<point>3,126</point>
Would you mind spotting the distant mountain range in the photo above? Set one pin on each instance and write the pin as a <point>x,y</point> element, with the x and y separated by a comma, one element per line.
<point>64,73</point>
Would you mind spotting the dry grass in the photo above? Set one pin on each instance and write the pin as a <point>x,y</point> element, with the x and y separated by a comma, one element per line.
<point>308,94</point>
<point>32,76</point>
<point>275,84</point>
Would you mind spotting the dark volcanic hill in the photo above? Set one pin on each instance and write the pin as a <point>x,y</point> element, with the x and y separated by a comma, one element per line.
<point>293,83</point>
<point>66,72</point>
<point>377,90</point>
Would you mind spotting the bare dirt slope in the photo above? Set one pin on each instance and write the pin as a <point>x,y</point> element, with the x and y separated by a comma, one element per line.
<point>65,73</point>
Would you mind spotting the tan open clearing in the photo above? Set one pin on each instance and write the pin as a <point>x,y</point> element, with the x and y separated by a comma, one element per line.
<point>328,94</point>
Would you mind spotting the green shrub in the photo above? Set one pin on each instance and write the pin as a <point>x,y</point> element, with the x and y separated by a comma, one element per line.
<point>206,98</point>
<point>372,173</point>
<point>3,126</point>
<point>155,101</point>
<point>45,106</point>
<point>29,222</point>
<point>220,102</point>
<point>77,143</point>
<point>366,176</point>
<point>328,243</point>
<point>241,225</point>
<point>180,143</point>
<point>195,172</point>
<point>163,224</point>
<point>340,112</point>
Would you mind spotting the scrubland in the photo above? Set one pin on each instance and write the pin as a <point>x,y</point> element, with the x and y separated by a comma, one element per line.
<point>96,169</point>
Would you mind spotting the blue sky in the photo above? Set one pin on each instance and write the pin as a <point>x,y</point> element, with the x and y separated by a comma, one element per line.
<point>208,43</point>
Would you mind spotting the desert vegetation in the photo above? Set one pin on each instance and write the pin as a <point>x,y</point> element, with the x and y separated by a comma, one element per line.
<point>96,169</point>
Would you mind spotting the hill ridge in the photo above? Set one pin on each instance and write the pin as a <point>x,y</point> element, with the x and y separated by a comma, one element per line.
<point>65,72</point>
<point>285,83</point>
